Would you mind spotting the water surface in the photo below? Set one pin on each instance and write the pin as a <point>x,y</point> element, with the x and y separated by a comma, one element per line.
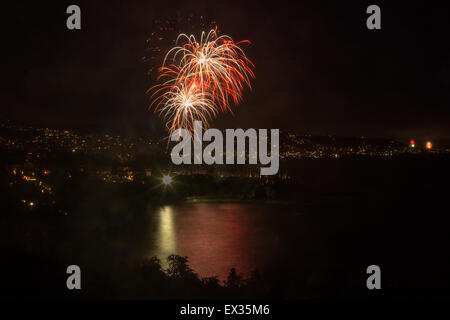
<point>219,236</point>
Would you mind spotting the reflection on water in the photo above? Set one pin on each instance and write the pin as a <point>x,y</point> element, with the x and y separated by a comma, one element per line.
<point>166,239</point>
<point>217,237</point>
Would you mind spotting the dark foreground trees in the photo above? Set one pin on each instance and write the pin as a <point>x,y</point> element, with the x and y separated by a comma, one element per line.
<point>33,277</point>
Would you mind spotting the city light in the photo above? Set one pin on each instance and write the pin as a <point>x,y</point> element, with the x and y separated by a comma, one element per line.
<point>412,143</point>
<point>429,145</point>
<point>166,180</point>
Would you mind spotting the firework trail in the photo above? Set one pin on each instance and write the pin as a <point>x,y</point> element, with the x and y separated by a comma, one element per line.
<point>204,77</point>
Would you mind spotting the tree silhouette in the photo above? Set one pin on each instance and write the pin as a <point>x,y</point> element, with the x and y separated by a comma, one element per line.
<point>179,267</point>
<point>234,280</point>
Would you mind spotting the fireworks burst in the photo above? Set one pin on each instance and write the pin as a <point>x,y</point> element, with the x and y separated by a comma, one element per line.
<point>220,65</point>
<point>204,77</point>
<point>185,103</point>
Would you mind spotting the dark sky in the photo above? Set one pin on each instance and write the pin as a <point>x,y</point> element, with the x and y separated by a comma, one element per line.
<point>318,68</point>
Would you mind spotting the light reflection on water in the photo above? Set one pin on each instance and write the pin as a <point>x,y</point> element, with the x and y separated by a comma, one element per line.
<point>166,239</point>
<point>217,237</point>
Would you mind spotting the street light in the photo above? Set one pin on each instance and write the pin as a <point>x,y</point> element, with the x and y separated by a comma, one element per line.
<point>166,180</point>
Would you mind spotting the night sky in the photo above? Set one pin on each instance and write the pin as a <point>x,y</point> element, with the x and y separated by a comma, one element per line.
<point>318,68</point>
